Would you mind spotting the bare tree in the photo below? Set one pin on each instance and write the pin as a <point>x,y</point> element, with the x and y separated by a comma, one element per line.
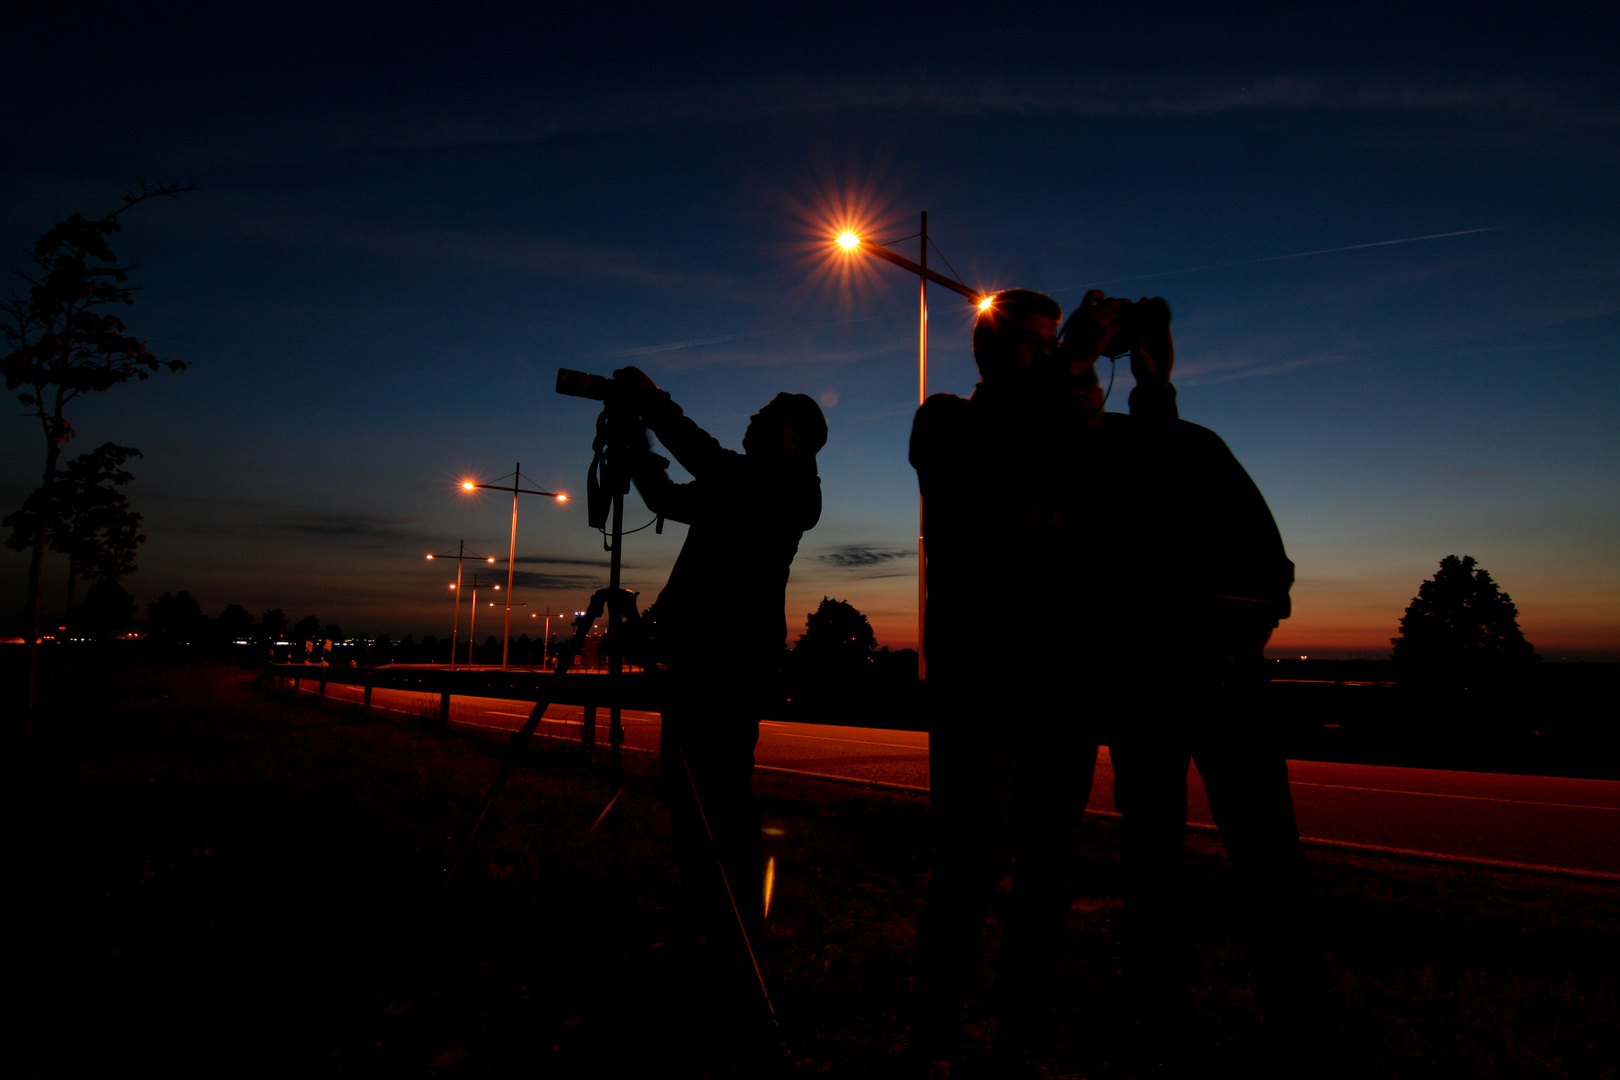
<point>64,341</point>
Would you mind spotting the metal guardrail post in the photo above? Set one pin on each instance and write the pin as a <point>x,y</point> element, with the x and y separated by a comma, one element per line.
<point>365,701</point>
<point>444,708</point>
<point>587,731</point>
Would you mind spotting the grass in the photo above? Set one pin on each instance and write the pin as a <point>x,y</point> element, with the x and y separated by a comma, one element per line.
<point>215,881</point>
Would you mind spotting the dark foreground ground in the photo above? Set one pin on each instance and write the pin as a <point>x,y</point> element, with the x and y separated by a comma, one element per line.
<point>214,881</point>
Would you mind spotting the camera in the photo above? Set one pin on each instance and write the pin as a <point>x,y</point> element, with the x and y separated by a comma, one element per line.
<point>1136,320</point>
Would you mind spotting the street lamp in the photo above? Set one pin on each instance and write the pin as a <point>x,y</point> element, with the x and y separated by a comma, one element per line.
<point>511,559</point>
<point>472,620</point>
<point>461,556</point>
<point>854,243</point>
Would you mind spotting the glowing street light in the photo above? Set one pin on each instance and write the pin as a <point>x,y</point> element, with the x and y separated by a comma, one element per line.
<point>852,242</point>
<point>461,556</point>
<point>511,559</point>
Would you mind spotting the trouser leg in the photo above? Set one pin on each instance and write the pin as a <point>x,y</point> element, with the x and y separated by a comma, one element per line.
<point>1051,789</point>
<point>1246,779</point>
<point>1150,791</point>
<point>970,776</point>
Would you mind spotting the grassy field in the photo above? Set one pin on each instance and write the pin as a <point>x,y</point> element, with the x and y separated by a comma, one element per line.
<point>216,881</point>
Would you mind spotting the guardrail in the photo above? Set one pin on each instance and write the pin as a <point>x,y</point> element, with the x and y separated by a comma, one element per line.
<point>858,703</point>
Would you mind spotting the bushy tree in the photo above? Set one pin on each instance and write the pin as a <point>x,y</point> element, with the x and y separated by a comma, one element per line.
<point>273,624</point>
<point>1461,628</point>
<point>836,636</point>
<point>232,624</point>
<point>176,619</point>
<point>106,610</point>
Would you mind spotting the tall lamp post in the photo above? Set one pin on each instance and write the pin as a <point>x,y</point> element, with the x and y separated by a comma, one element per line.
<point>516,489</point>
<point>472,620</point>
<point>461,556</point>
<point>853,243</point>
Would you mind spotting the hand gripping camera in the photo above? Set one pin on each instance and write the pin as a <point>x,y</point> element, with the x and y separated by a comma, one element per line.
<point>1134,321</point>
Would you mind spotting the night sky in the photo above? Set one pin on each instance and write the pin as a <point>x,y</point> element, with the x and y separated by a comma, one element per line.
<point>1389,232</point>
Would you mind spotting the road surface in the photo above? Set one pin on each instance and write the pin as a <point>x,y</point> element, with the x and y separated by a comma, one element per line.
<point>1525,821</point>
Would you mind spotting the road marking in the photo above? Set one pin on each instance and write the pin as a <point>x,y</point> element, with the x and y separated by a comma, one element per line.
<point>1447,795</point>
<point>845,779</point>
<point>524,715</point>
<point>1467,860</point>
<point>856,742</point>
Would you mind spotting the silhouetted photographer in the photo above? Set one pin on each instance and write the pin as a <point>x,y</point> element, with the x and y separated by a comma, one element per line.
<point>1011,514</point>
<point>1143,572</point>
<point>720,630</point>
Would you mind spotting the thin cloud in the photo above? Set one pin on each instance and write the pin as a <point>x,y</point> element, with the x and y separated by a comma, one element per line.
<point>1114,98</point>
<point>864,559</point>
<point>349,527</point>
<point>1280,258</point>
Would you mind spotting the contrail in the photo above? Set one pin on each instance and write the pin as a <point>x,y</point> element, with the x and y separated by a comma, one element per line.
<point>1279,258</point>
<point>673,345</point>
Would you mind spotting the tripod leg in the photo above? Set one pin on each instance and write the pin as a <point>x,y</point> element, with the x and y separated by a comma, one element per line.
<point>731,897</point>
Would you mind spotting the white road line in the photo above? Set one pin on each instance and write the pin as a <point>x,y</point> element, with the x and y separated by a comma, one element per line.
<point>1438,856</point>
<point>856,742</point>
<point>1467,860</point>
<point>544,734</point>
<point>1447,795</point>
<point>845,779</point>
<point>524,715</point>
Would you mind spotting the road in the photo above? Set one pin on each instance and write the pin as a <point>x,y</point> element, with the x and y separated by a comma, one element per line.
<point>1525,821</point>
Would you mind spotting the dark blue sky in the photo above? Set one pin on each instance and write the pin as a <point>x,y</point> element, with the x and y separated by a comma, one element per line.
<point>407,222</point>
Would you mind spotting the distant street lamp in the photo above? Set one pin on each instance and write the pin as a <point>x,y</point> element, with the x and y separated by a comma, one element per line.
<point>472,620</point>
<point>511,559</point>
<point>853,243</point>
<point>461,556</point>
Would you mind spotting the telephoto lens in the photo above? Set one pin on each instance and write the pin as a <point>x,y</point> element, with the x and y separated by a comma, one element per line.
<point>583,384</point>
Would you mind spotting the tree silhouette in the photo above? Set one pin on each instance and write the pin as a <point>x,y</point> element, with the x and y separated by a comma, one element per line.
<point>63,343</point>
<point>106,609</point>
<point>1461,629</point>
<point>273,623</point>
<point>89,519</point>
<point>232,624</point>
<point>176,619</point>
<point>836,637</point>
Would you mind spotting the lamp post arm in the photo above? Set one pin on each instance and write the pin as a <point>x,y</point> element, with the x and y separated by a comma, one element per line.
<point>517,490</point>
<point>920,270</point>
